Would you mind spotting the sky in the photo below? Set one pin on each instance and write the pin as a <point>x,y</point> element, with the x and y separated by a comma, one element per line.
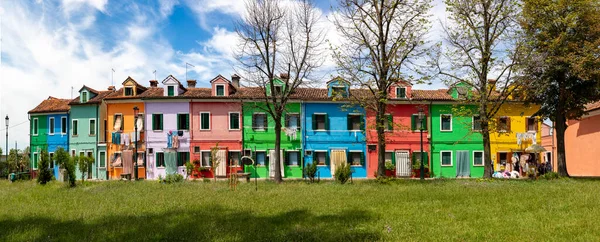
<point>53,48</point>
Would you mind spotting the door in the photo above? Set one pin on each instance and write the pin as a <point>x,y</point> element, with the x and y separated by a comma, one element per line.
<point>463,164</point>
<point>222,168</point>
<point>272,163</point>
<point>403,165</point>
<point>338,157</point>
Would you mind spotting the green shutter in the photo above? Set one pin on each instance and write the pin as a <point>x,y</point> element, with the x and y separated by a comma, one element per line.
<point>254,121</point>
<point>160,116</point>
<point>413,122</point>
<point>171,91</point>
<point>362,158</point>
<point>314,122</point>
<point>393,158</point>
<point>424,122</point>
<point>178,121</point>
<point>187,121</point>
<point>327,161</point>
<point>266,122</point>
<point>390,120</point>
<point>326,122</point>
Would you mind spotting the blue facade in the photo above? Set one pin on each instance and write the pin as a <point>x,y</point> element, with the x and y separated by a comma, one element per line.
<point>58,136</point>
<point>335,137</point>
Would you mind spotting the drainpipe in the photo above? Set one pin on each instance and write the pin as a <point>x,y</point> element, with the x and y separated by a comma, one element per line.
<point>30,152</point>
<point>430,134</point>
<point>303,127</point>
<point>97,137</point>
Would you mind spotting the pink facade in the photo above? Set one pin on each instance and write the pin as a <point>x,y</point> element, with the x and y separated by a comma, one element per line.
<point>581,145</point>
<point>549,143</point>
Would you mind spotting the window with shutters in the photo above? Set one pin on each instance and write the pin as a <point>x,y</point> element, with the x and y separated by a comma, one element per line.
<point>220,90</point>
<point>400,92</point>
<point>51,126</point>
<point>478,158</point>
<point>234,158</point>
<point>157,121</point>
<point>84,97</point>
<point>261,158</point>
<point>476,123</point>
<point>160,159</point>
<point>355,122</point>
<point>278,90</point>
<point>417,156</point>
<point>446,122</point>
<point>205,158</point>
<point>234,121</point>
<point>63,125</point>
<point>292,121</point>
<point>75,128</point>
<point>171,91</point>
<point>292,158</point>
<point>205,121</point>
<point>35,126</point>
<point>446,158</point>
<point>35,160</point>
<point>183,121</point>
<point>319,121</point>
<point>92,131</point>
<point>182,158</point>
<point>389,157</point>
<point>320,157</point>
<point>102,159</point>
<point>356,158</point>
<point>259,122</point>
<point>388,122</point>
<point>416,125</point>
<point>531,124</point>
<point>504,124</point>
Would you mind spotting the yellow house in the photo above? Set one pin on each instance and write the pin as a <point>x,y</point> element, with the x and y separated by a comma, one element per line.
<point>512,131</point>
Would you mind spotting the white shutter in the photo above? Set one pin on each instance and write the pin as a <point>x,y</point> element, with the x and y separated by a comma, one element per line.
<point>222,168</point>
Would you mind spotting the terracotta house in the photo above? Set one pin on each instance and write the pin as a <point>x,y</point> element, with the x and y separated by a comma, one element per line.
<point>581,143</point>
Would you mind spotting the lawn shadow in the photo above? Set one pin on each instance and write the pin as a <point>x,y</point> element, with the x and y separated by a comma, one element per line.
<point>209,223</point>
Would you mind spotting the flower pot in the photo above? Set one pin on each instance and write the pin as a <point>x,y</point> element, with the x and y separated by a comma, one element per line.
<point>390,173</point>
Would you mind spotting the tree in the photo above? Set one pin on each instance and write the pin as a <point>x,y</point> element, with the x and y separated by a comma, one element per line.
<point>44,172</point>
<point>563,37</point>
<point>64,160</point>
<point>381,41</point>
<point>214,160</point>
<point>479,44</point>
<point>14,160</point>
<point>279,37</point>
<point>25,161</point>
<point>84,163</point>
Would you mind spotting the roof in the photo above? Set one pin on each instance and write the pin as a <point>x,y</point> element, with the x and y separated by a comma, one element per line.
<point>433,95</point>
<point>52,105</point>
<point>89,89</point>
<point>592,106</point>
<point>97,99</point>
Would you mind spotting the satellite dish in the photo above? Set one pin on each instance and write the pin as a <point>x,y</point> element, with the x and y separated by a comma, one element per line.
<point>247,161</point>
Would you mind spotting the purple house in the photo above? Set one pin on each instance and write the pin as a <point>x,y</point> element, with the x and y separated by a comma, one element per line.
<point>167,128</point>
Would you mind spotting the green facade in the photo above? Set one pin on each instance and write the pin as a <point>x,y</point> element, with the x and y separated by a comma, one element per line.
<point>39,139</point>
<point>256,140</point>
<point>460,139</point>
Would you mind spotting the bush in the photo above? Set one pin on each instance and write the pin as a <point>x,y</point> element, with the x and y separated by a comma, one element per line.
<point>64,160</point>
<point>44,172</point>
<point>550,176</point>
<point>173,178</point>
<point>310,171</point>
<point>389,166</point>
<point>342,173</point>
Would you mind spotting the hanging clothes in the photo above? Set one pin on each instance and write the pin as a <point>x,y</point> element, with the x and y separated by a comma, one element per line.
<point>116,138</point>
<point>126,139</point>
<point>140,124</point>
<point>127,157</point>
<point>175,141</point>
<point>135,136</point>
<point>169,139</point>
<point>117,161</point>
<point>170,162</point>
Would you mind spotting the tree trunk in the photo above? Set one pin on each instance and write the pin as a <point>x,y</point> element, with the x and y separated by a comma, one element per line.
<point>277,157</point>
<point>561,127</point>
<point>379,121</point>
<point>488,169</point>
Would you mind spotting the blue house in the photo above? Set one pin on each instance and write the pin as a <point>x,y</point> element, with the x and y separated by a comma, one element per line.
<point>334,130</point>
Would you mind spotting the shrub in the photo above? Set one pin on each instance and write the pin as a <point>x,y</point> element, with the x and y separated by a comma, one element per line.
<point>189,167</point>
<point>44,172</point>
<point>84,163</point>
<point>550,176</point>
<point>310,171</point>
<point>64,160</point>
<point>342,173</point>
<point>173,178</point>
<point>389,166</point>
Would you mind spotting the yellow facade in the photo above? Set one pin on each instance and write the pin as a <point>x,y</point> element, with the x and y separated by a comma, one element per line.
<point>503,138</point>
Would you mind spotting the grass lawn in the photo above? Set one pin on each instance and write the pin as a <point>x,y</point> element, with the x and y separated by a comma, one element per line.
<point>437,210</point>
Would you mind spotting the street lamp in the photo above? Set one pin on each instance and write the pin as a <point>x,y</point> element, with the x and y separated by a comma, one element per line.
<point>421,116</point>
<point>6,151</point>
<point>135,117</point>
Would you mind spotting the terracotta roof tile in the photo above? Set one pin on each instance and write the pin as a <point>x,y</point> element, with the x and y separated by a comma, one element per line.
<point>119,94</point>
<point>95,100</point>
<point>434,95</point>
<point>51,105</point>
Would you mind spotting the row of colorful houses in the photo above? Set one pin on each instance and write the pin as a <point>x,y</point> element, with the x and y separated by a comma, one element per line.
<point>176,124</point>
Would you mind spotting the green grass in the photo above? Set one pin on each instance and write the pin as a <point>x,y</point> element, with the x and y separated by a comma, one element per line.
<point>440,210</point>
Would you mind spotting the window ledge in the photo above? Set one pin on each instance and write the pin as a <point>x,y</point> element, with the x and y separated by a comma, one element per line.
<point>322,165</point>
<point>320,130</point>
<point>71,135</point>
<point>479,165</point>
<point>356,165</point>
<point>92,135</point>
<point>447,131</point>
<point>447,165</point>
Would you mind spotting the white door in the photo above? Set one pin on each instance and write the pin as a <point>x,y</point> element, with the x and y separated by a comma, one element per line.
<point>272,163</point>
<point>338,157</point>
<point>222,168</point>
<point>403,166</point>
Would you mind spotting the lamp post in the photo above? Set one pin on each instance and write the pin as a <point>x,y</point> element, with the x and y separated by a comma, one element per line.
<point>135,117</point>
<point>6,151</point>
<point>421,117</point>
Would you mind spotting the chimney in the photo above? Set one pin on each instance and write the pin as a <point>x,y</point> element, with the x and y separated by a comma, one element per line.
<point>284,76</point>
<point>491,84</point>
<point>153,83</point>
<point>235,81</point>
<point>191,83</point>
<point>111,88</point>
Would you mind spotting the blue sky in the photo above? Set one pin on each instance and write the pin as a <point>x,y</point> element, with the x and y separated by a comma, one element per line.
<point>48,47</point>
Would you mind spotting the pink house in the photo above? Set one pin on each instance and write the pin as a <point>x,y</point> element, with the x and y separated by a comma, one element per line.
<point>549,143</point>
<point>581,143</point>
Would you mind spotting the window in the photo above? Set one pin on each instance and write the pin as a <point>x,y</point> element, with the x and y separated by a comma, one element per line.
<point>102,159</point>
<point>157,121</point>
<point>196,149</point>
<point>72,153</point>
<point>35,126</point>
<point>278,90</point>
<point>478,158</point>
<point>81,154</point>
<point>63,125</point>
<point>35,160</point>
<point>356,158</point>
<point>354,122</point>
<point>128,91</point>
<point>319,121</point>
<point>320,157</point>
<point>182,158</point>
<point>400,92</point>
<point>260,158</point>
<point>205,158</point>
<point>504,124</point>
<point>259,121</point>
<point>204,121</point>
<point>51,125</point>
<point>234,158</point>
<point>160,159</point>
<point>339,92</point>
<point>416,125</point>
<point>75,128</point>
<point>389,122</point>
<point>234,121</point>
<point>417,157</point>
<point>247,152</point>
<point>51,160</point>
<point>118,122</point>
<point>170,91</point>
<point>476,123</point>
<point>446,122</point>
<point>220,90</point>
<point>292,158</point>
<point>446,158</point>
<point>503,158</point>
<point>389,157</point>
<point>92,127</point>
<point>150,150</point>
<point>292,121</point>
<point>183,121</point>
<point>531,124</point>
<point>84,97</point>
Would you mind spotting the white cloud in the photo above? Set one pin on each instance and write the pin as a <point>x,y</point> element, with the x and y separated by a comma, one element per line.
<point>72,5</point>
<point>166,7</point>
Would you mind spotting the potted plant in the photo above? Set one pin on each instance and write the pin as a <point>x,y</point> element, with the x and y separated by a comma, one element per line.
<point>416,170</point>
<point>390,169</point>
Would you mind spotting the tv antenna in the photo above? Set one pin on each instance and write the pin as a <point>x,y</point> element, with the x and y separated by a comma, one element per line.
<point>186,69</point>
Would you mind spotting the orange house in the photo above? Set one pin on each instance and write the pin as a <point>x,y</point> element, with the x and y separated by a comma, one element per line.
<point>120,131</point>
<point>581,143</point>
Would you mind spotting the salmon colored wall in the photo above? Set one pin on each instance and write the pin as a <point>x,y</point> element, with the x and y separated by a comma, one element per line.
<point>227,145</point>
<point>220,81</point>
<point>392,90</point>
<point>581,146</point>
<point>127,110</point>
<point>219,121</point>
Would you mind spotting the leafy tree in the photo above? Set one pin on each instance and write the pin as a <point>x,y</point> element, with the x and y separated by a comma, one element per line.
<point>64,160</point>
<point>381,41</point>
<point>214,160</point>
<point>564,38</point>
<point>14,160</point>
<point>44,172</point>
<point>83,163</point>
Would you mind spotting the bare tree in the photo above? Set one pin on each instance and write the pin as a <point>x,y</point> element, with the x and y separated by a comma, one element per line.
<point>381,43</point>
<point>279,37</point>
<point>481,51</point>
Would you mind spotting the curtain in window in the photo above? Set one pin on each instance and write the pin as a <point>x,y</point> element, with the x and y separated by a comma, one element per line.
<point>118,123</point>
<point>170,162</point>
<point>338,157</point>
<point>127,156</point>
<point>463,166</point>
<point>222,168</point>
